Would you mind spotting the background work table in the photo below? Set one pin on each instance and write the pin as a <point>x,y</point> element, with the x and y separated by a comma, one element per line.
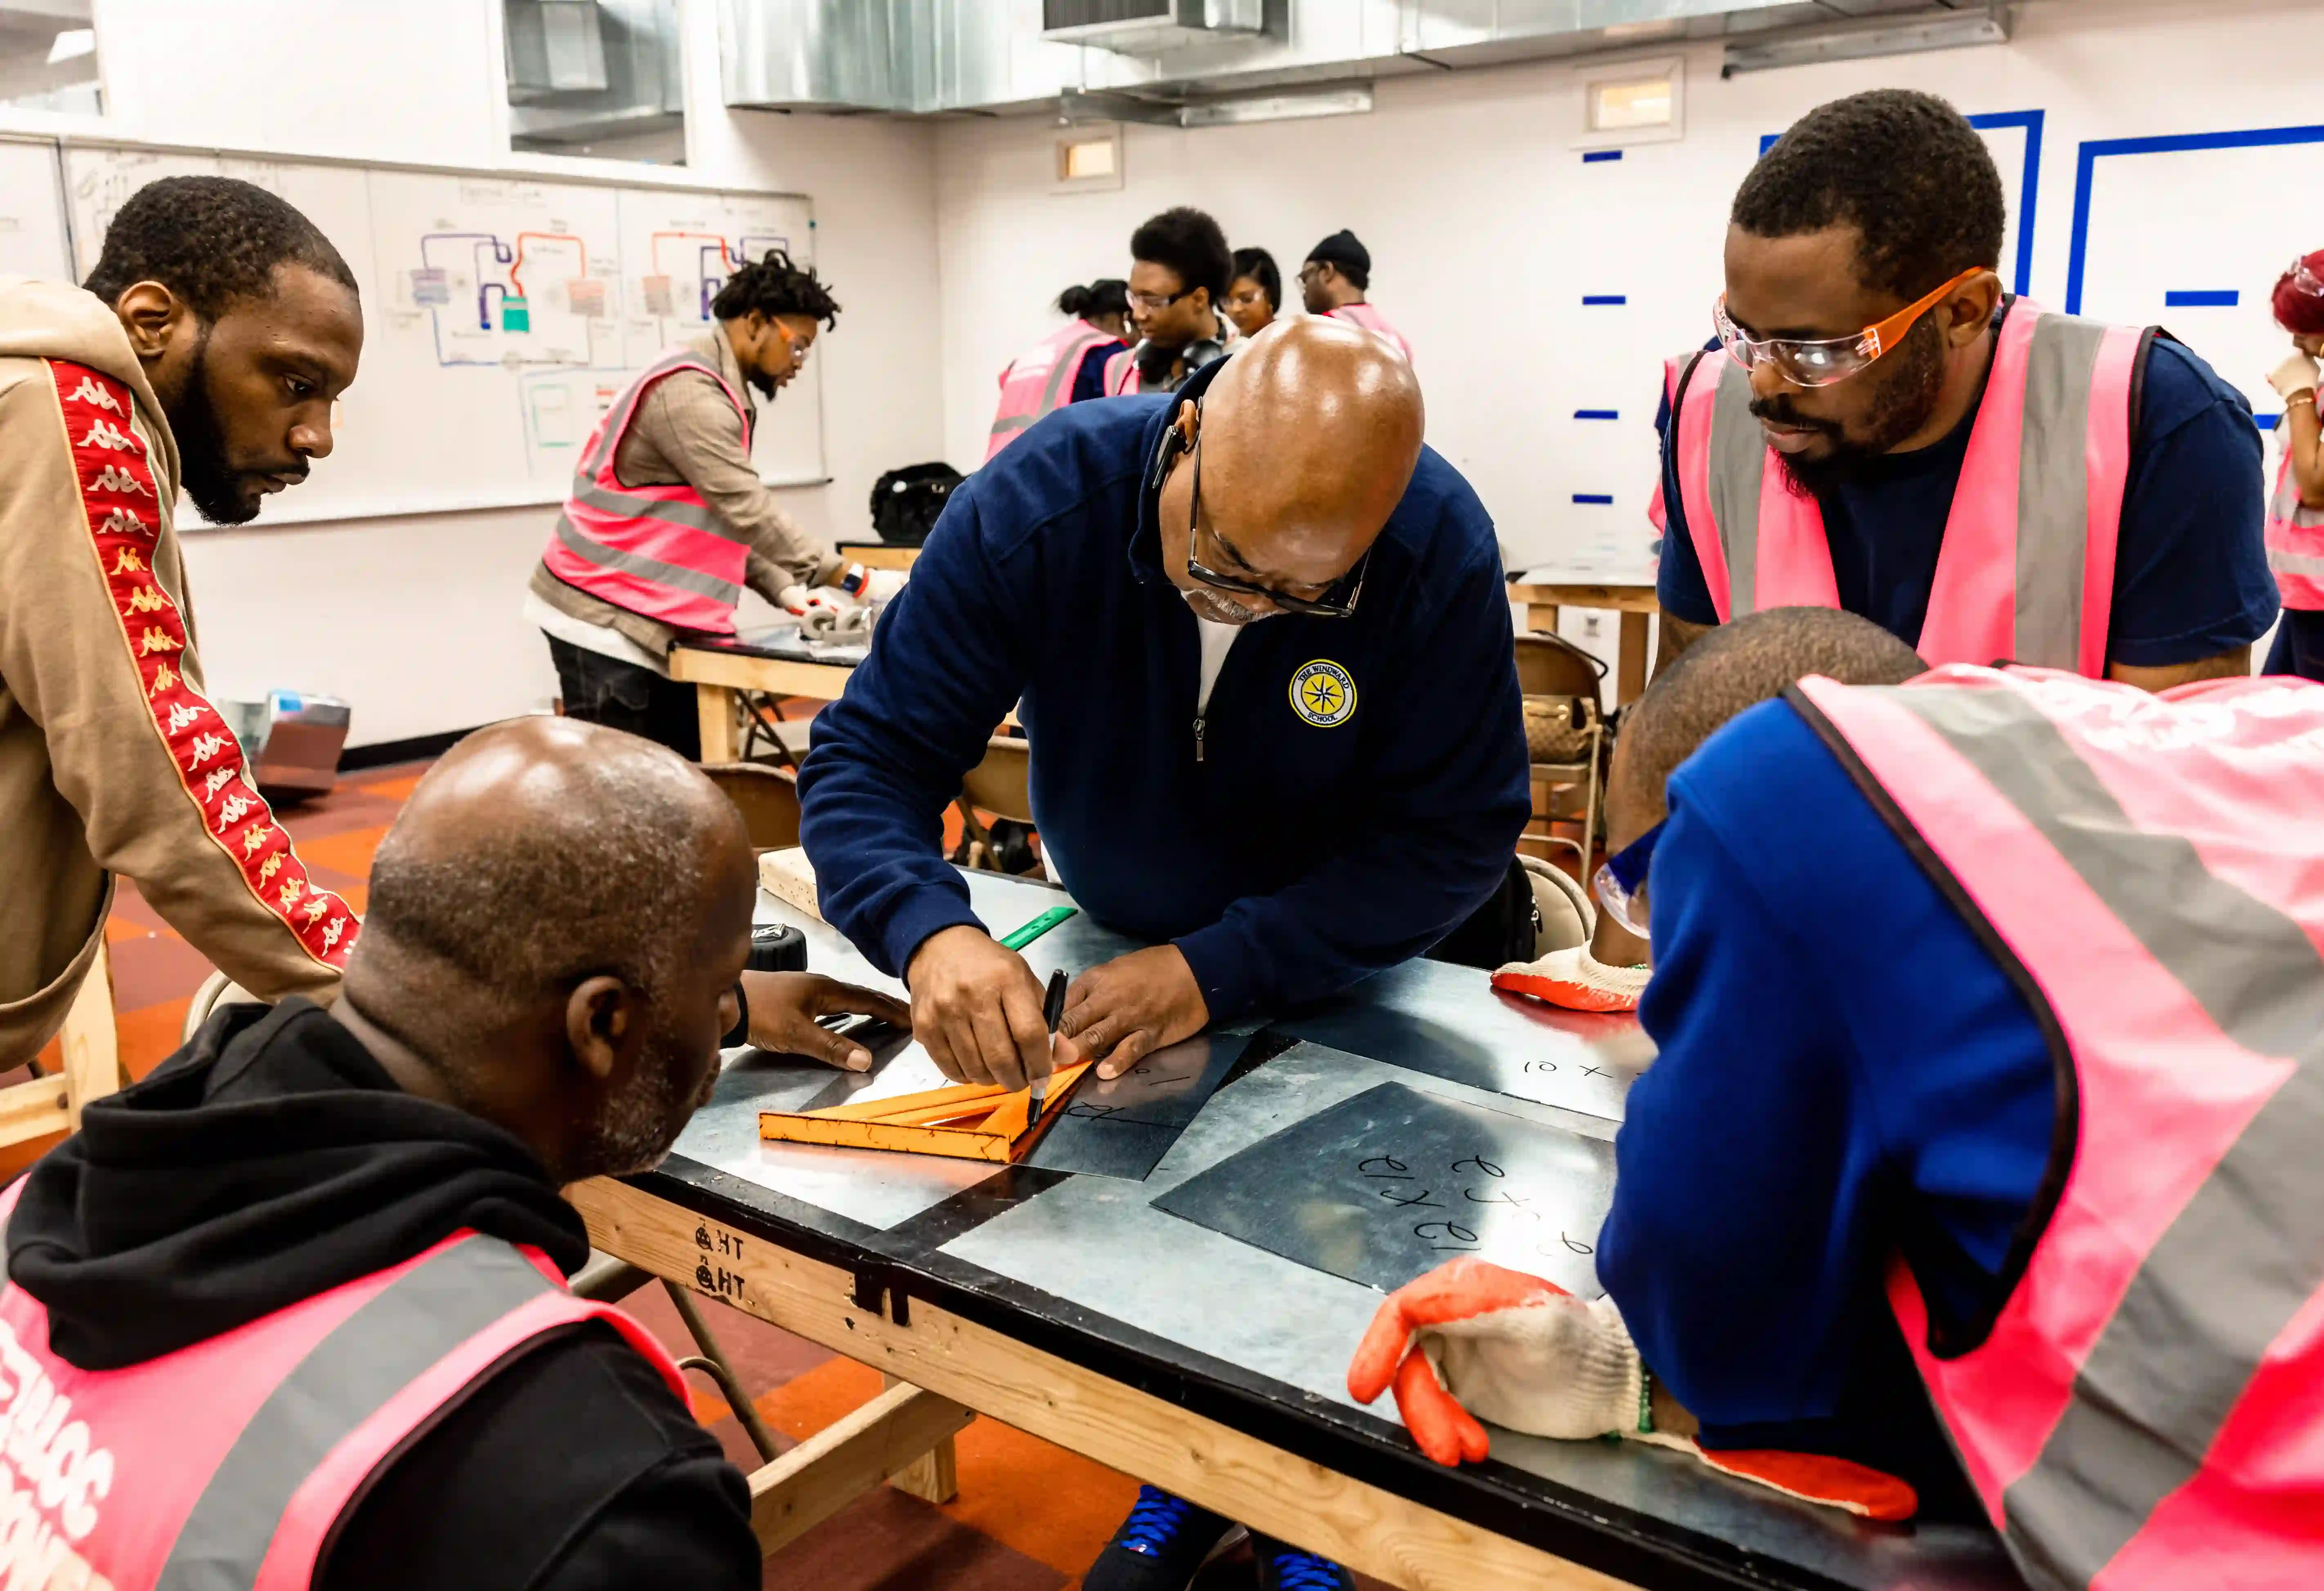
<point>1072,1308</point>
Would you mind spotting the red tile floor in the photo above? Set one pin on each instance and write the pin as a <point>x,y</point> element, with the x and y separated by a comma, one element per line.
<point>1029,1517</point>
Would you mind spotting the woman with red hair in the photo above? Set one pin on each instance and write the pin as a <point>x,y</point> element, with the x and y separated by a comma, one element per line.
<point>2295,512</point>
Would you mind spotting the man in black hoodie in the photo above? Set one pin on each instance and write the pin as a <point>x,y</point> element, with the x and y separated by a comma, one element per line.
<point>557,924</point>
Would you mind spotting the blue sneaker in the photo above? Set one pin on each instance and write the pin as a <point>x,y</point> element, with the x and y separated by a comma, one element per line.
<point>1282,1567</point>
<point>1158,1546</point>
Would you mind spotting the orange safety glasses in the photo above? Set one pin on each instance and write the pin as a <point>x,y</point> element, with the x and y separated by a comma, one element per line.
<point>1821,363</point>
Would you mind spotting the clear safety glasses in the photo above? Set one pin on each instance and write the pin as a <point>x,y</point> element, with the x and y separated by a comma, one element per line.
<point>1823,361</point>
<point>1621,879</point>
<point>2304,280</point>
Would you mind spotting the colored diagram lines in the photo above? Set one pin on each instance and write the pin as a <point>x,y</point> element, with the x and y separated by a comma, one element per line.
<point>713,264</point>
<point>489,274</point>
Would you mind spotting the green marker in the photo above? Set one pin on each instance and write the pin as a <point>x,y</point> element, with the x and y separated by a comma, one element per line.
<point>1017,939</point>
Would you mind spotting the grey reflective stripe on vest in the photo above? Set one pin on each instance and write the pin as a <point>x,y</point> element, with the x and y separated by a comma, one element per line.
<point>1071,358</point>
<point>2284,504</point>
<point>584,546</point>
<point>1738,456</point>
<point>345,1379</point>
<point>2247,1252</point>
<point>2052,488</point>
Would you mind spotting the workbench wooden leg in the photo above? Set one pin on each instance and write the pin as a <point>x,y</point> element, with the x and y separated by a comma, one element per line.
<point>935,1475</point>
<point>840,1463</point>
<point>715,705</point>
<point>92,1044</point>
<point>1630,676</point>
<point>1542,618</point>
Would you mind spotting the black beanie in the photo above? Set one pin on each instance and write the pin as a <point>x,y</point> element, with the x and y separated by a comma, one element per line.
<point>1342,249</point>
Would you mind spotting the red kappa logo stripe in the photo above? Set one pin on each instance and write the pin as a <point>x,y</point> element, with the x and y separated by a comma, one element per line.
<point>121,503</point>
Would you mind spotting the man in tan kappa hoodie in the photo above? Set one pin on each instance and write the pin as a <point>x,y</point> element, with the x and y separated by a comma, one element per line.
<point>205,352</point>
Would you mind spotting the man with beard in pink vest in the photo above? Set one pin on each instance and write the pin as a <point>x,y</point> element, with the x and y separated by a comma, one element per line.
<point>289,1313</point>
<point>1333,282</point>
<point>1990,1017</point>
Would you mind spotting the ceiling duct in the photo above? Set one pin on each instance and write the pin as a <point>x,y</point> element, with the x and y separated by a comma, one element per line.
<point>932,57</point>
<point>1143,27</point>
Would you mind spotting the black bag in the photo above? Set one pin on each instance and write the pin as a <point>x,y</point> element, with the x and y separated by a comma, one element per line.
<point>1502,929</point>
<point>905,502</point>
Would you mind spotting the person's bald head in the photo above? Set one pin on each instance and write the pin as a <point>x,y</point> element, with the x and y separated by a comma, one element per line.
<point>1735,667</point>
<point>554,923</point>
<point>1309,436</point>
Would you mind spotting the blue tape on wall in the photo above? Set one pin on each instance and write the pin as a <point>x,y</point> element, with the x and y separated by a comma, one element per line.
<point>1591,157</point>
<point>1602,498</point>
<point>2202,298</point>
<point>2094,149</point>
<point>1612,414</point>
<point>1590,298</point>
<point>2029,185</point>
<point>2266,422</point>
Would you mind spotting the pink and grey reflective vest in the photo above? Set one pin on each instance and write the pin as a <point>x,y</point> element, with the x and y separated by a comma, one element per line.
<point>658,551</point>
<point>2146,1412</point>
<point>2026,570</point>
<point>1372,320</point>
<point>1042,379</point>
<point>1121,373</point>
<point>228,1463</point>
<point>2295,537</point>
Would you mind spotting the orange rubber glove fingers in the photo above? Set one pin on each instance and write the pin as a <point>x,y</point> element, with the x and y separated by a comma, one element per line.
<point>1833,1482</point>
<point>1443,1430</point>
<point>1453,1291</point>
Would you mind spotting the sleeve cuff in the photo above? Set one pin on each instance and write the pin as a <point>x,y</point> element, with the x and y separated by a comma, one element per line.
<point>928,912</point>
<point>1222,962</point>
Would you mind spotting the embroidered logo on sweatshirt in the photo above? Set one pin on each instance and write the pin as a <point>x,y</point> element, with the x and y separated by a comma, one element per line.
<point>1322,692</point>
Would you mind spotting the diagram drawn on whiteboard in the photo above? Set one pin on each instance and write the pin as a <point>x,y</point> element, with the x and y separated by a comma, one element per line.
<point>685,269</point>
<point>528,299</point>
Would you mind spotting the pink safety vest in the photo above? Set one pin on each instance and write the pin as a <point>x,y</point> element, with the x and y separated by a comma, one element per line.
<point>1372,320</point>
<point>1042,379</point>
<point>2026,570</point>
<point>658,551</point>
<point>1121,373</point>
<point>228,1463</point>
<point>2295,537</point>
<point>2146,1412</point>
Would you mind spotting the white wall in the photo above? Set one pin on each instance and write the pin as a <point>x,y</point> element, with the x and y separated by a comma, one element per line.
<point>1487,228</point>
<point>417,620</point>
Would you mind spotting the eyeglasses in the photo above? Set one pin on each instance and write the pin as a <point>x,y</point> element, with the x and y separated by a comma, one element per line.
<point>1622,876</point>
<point>2304,280</point>
<point>1821,361</point>
<point>1152,301</point>
<point>1338,600</point>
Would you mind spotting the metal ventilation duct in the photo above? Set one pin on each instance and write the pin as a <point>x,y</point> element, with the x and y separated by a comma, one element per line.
<point>926,57</point>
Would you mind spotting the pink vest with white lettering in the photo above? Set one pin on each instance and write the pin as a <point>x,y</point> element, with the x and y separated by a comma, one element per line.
<point>228,1462</point>
<point>657,551</point>
<point>1042,379</point>
<point>1373,321</point>
<point>2295,536</point>
<point>2026,569</point>
<point>2146,1412</point>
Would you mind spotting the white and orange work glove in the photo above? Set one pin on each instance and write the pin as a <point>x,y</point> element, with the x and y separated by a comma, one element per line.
<point>818,610</point>
<point>870,585</point>
<point>1473,1340</point>
<point>2295,375</point>
<point>1575,979</point>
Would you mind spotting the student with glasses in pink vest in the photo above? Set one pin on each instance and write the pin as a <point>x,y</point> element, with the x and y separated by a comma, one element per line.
<point>1990,1029</point>
<point>1878,426</point>
<point>2295,506</point>
<point>1333,282</point>
<point>1066,366</point>
<point>1178,279</point>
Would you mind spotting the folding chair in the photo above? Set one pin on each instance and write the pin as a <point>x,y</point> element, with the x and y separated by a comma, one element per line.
<point>768,798</point>
<point>1552,668</point>
<point>92,1069</point>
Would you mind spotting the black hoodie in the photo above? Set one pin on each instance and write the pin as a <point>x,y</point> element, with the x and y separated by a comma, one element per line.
<point>273,1158</point>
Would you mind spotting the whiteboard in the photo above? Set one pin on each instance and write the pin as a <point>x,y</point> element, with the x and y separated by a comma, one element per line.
<point>502,315</point>
<point>32,212</point>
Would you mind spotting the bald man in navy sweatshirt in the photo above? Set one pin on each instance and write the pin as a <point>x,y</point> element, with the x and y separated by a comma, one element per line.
<point>1260,639</point>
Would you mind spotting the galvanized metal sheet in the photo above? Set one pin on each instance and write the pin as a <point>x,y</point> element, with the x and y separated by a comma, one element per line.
<point>1449,1022</point>
<point>1122,1128</point>
<point>1393,1183</point>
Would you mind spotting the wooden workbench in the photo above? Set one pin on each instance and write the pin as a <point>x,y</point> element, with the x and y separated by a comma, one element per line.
<point>1070,1307</point>
<point>719,675</point>
<point>1636,603</point>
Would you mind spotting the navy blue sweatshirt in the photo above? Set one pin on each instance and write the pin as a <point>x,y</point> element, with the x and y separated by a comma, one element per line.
<point>1290,859</point>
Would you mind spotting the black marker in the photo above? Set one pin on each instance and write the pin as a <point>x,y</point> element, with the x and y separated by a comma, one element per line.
<point>1053,1011</point>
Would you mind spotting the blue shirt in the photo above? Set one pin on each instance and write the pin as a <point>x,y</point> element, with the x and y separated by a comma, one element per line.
<point>1302,851</point>
<point>1844,1072</point>
<point>2191,575</point>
